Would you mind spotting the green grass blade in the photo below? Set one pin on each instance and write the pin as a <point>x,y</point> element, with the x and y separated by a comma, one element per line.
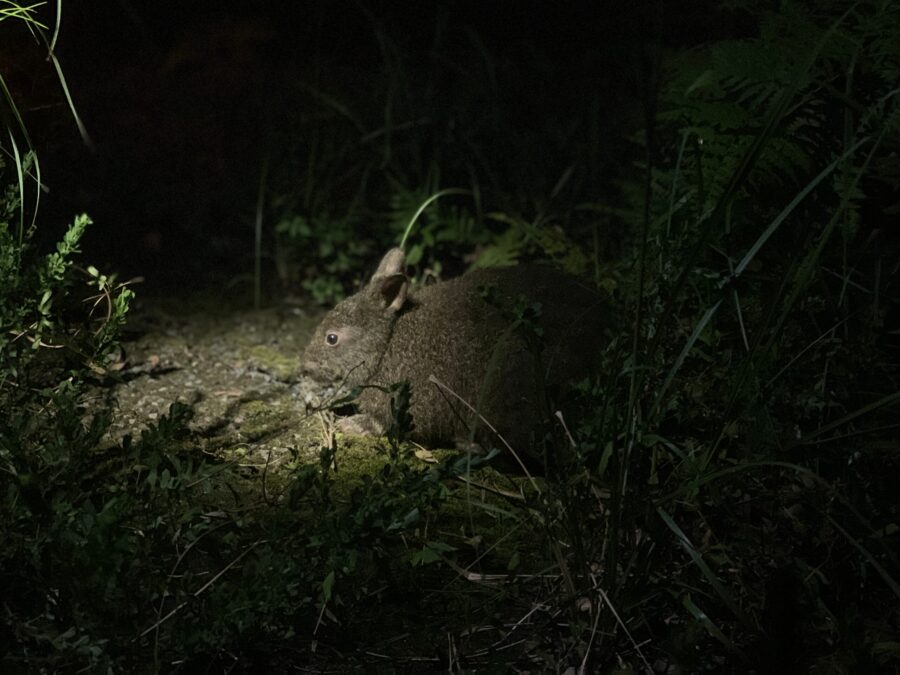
<point>875,405</point>
<point>20,175</point>
<point>681,491</point>
<point>710,576</point>
<point>808,265</point>
<point>331,102</point>
<point>56,27</point>
<point>11,105</point>
<point>39,187</point>
<point>883,573</point>
<point>21,13</point>
<point>426,204</point>
<point>698,329</point>
<point>82,130</point>
<point>781,217</point>
<point>675,174</point>
<point>703,619</point>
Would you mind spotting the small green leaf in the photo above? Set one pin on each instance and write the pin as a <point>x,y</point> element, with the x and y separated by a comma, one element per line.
<point>328,586</point>
<point>431,552</point>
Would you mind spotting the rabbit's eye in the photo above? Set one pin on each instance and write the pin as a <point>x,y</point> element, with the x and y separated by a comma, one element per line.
<point>331,339</point>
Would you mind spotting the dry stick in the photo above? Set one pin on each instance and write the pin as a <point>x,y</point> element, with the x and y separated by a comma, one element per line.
<point>451,653</point>
<point>434,380</point>
<point>624,628</point>
<point>506,494</point>
<point>265,492</point>
<point>587,651</point>
<point>327,433</point>
<point>162,599</point>
<point>466,572</point>
<point>498,643</point>
<point>32,340</point>
<point>216,472</point>
<point>319,619</point>
<point>558,414</point>
<point>200,590</point>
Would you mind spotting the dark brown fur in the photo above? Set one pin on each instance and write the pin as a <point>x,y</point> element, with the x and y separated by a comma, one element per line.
<point>452,332</point>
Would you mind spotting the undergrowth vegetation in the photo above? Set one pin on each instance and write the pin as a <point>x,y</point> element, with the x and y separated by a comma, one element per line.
<point>722,499</point>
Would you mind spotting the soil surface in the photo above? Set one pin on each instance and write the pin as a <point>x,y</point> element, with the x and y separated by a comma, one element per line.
<point>238,370</point>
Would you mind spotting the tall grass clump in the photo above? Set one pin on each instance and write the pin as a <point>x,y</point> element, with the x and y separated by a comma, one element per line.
<point>724,503</point>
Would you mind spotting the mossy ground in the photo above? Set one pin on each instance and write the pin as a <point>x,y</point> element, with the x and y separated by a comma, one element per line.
<point>239,373</point>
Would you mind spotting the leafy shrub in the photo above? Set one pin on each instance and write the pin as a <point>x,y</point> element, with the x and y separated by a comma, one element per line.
<point>56,526</point>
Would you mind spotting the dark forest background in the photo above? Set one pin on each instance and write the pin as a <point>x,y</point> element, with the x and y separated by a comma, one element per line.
<point>354,110</point>
<point>725,173</point>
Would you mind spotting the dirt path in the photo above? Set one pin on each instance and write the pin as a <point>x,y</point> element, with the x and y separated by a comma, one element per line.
<point>238,370</point>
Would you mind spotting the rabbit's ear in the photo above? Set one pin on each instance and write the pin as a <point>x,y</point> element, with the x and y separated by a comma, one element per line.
<point>392,263</point>
<point>393,291</point>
